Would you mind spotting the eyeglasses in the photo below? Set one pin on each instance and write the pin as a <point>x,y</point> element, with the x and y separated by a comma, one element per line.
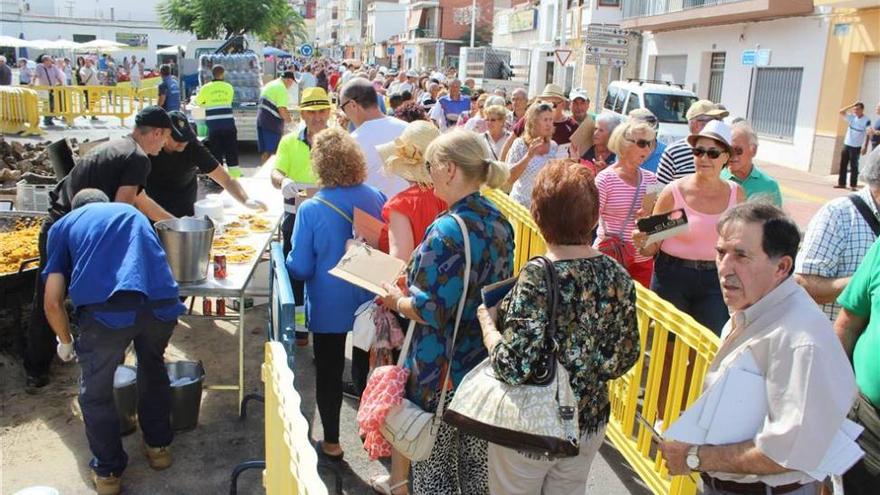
<point>342,106</point>
<point>642,143</point>
<point>712,153</point>
<point>428,166</point>
<point>738,151</point>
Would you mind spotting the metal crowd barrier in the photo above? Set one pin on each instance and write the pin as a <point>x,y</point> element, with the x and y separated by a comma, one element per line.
<point>71,102</point>
<point>19,111</point>
<point>670,340</point>
<point>291,463</point>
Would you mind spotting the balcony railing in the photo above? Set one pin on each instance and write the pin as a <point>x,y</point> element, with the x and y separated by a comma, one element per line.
<point>644,8</point>
<point>423,33</point>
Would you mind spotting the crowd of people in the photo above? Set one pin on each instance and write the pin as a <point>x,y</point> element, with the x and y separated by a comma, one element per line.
<point>414,150</point>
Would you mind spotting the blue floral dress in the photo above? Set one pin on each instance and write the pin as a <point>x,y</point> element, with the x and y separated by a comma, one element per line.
<point>435,282</point>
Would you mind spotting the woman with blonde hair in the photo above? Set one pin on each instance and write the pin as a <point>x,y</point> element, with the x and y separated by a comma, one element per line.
<point>496,129</point>
<point>622,188</point>
<point>435,279</point>
<point>531,151</point>
<point>322,227</point>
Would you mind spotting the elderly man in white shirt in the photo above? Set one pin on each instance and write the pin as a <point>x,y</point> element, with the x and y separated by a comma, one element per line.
<point>809,382</point>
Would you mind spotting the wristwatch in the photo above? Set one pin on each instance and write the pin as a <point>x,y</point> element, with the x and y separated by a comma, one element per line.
<point>693,458</point>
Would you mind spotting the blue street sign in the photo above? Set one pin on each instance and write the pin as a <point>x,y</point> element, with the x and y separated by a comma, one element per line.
<point>748,57</point>
<point>390,51</point>
<point>306,50</point>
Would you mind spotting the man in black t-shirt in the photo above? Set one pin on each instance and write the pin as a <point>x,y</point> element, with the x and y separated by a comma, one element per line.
<point>173,182</point>
<point>119,168</point>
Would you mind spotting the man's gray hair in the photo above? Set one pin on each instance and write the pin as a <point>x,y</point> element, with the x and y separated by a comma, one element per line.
<point>2,59</point>
<point>744,126</point>
<point>87,196</point>
<point>871,170</point>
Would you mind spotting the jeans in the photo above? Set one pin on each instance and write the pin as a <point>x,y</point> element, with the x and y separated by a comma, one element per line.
<point>849,155</point>
<point>697,292</point>
<point>864,476</point>
<point>100,349</point>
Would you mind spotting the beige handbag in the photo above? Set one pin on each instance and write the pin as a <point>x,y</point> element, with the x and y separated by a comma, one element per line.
<point>539,416</point>
<point>408,427</point>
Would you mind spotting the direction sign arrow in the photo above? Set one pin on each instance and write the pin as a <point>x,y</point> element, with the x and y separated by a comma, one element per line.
<point>606,28</point>
<point>608,51</point>
<point>306,50</point>
<point>597,60</point>
<point>604,39</point>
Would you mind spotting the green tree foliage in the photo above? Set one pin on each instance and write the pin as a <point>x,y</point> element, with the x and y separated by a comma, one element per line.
<point>266,19</point>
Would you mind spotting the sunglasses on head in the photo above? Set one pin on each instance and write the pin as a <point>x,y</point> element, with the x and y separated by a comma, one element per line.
<point>641,143</point>
<point>546,105</point>
<point>712,153</point>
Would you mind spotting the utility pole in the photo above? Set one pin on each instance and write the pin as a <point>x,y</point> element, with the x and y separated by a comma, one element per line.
<point>473,20</point>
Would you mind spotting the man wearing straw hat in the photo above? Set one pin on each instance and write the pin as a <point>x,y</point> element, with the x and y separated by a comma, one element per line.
<point>292,170</point>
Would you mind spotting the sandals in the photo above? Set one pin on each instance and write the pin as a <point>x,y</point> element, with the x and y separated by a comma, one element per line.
<point>379,484</point>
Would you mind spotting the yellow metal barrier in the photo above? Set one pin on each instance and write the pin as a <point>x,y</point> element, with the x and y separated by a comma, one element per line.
<point>291,461</point>
<point>19,112</point>
<point>670,340</point>
<point>71,102</point>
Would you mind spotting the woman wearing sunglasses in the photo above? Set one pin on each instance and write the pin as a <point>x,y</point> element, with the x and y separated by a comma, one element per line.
<point>622,187</point>
<point>684,268</point>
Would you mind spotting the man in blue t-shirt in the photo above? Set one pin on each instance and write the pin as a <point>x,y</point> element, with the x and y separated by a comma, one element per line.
<point>449,108</point>
<point>169,90</point>
<point>110,262</point>
<point>855,144</point>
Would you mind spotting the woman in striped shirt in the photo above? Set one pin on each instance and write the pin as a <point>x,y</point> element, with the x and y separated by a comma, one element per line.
<point>622,187</point>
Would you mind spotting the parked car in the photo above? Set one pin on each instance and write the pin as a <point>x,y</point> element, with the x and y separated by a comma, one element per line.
<point>668,101</point>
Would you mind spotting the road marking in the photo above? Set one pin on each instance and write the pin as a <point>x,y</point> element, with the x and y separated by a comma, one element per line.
<point>812,198</point>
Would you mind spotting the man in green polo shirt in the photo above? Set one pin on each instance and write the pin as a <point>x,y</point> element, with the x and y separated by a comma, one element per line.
<point>858,327</point>
<point>744,172</point>
<point>292,170</point>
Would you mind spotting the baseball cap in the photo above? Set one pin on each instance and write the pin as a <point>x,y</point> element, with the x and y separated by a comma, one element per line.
<point>181,130</point>
<point>578,93</point>
<point>705,107</point>
<point>412,73</point>
<point>153,116</point>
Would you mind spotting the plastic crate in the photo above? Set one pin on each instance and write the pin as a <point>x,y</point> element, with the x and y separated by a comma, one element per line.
<point>32,197</point>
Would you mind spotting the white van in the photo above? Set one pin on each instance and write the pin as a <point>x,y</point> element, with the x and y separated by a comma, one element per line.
<point>669,102</point>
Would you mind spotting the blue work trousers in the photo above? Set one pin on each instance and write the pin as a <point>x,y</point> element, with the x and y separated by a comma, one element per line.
<point>100,349</point>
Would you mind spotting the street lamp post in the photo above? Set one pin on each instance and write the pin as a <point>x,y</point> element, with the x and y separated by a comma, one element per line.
<point>473,20</point>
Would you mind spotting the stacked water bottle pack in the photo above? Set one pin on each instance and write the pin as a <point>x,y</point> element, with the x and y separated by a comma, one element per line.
<point>242,72</point>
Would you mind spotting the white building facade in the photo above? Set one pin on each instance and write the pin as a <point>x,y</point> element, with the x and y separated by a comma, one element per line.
<point>134,23</point>
<point>780,97</point>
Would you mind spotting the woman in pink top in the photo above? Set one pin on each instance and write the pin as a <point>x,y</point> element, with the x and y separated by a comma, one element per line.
<point>621,190</point>
<point>684,268</point>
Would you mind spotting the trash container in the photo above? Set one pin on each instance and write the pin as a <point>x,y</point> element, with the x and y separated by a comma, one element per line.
<point>125,396</point>
<point>186,393</point>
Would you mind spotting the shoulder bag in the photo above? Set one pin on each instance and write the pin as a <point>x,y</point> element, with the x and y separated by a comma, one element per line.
<point>866,213</point>
<point>539,416</point>
<point>613,245</point>
<point>408,427</point>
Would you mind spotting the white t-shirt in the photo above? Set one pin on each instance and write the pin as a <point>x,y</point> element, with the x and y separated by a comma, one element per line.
<point>856,130</point>
<point>371,134</point>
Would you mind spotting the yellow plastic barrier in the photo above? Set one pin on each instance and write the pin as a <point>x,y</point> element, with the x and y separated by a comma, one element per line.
<point>291,461</point>
<point>19,111</point>
<point>71,102</point>
<point>665,334</point>
<point>147,96</point>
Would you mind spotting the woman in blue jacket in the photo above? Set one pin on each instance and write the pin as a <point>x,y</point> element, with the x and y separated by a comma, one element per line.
<point>323,225</point>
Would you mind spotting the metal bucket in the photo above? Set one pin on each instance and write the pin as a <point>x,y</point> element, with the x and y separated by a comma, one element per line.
<point>187,243</point>
<point>186,393</point>
<point>125,396</point>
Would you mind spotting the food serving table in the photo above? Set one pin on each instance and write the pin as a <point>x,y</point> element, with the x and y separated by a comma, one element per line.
<point>239,275</point>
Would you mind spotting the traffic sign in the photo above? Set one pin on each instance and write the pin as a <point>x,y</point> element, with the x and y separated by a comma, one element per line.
<point>306,50</point>
<point>606,39</point>
<point>613,29</point>
<point>562,55</point>
<point>390,51</point>
<point>591,59</point>
<point>608,51</point>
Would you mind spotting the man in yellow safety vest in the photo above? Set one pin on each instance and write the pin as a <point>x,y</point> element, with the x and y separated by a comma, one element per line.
<point>216,98</point>
<point>272,114</point>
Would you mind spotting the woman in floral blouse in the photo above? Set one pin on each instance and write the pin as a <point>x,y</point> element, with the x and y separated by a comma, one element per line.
<point>597,336</point>
<point>458,166</point>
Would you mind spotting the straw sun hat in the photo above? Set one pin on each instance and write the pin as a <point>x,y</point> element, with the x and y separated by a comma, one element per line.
<point>405,156</point>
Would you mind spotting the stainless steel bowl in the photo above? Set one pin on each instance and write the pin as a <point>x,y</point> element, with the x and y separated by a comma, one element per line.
<point>187,243</point>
